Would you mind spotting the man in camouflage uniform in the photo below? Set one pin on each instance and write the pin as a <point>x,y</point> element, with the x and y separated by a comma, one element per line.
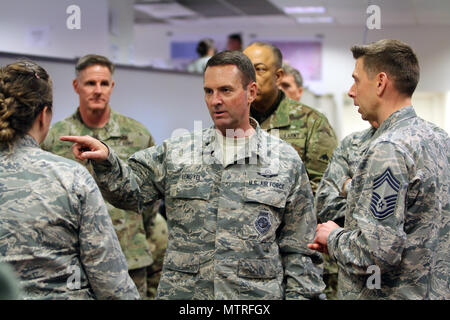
<point>291,82</point>
<point>331,196</point>
<point>239,218</point>
<point>95,117</point>
<point>397,216</point>
<point>306,129</point>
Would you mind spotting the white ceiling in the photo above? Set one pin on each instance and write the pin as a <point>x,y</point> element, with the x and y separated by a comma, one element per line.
<point>241,13</point>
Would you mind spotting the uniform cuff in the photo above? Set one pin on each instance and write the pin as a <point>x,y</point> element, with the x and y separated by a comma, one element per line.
<point>332,241</point>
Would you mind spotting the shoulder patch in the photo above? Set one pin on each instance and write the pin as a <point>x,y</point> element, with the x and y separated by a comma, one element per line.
<point>384,195</point>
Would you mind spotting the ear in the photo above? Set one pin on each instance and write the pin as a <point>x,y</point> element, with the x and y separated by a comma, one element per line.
<point>279,74</point>
<point>45,117</point>
<point>382,81</point>
<point>112,84</point>
<point>75,85</point>
<point>300,92</point>
<point>252,90</point>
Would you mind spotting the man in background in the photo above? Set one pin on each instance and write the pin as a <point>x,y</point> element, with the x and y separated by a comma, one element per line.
<point>306,129</point>
<point>291,82</point>
<point>94,117</point>
<point>234,42</point>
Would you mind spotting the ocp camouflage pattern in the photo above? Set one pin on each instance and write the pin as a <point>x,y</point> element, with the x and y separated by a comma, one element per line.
<point>308,131</point>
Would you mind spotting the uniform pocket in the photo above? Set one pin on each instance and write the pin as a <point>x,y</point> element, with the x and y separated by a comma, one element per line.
<point>272,193</point>
<point>260,279</point>
<point>182,262</point>
<point>257,269</point>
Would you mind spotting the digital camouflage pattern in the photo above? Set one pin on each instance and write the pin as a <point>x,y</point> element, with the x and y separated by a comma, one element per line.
<point>54,225</point>
<point>235,232</point>
<point>308,131</point>
<point>126,136</point>
<point>397,214</point>
<point>330,204</point>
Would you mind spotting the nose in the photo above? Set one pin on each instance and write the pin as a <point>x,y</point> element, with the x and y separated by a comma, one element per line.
<point>216,99</point>
<point>351,91</point>
<point>98,88</point>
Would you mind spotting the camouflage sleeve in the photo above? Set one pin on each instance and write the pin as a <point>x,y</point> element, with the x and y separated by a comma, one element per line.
<point>302,266</point>
<point>329,202</point>
<point>378,237</point>
<point>100,251</point>
<point>134,185</point>
<point>320,146</point>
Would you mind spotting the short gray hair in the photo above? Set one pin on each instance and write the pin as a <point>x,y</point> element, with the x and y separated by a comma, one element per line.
<point>92,60</point>
<point>295,73</point>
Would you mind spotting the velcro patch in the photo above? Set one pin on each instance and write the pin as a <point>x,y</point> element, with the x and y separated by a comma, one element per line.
<point>263,223</point>
<point>384,195</point>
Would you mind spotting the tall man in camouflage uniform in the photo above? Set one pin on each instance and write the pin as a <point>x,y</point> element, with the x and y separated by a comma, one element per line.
<point>306,129</point>
<point>397,216</point>
<point>238,200</point>
<point>331,196</point>
<point>95,117</point>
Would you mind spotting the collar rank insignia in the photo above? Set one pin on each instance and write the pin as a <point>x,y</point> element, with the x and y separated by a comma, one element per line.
<point>263,223</point>
<point>385,193</point>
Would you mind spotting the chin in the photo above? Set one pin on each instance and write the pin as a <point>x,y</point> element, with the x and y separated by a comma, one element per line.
<point>98,107</point>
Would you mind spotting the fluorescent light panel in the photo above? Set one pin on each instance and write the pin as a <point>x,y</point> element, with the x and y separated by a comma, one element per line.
<point>294,10</point>
<point>315,19</point>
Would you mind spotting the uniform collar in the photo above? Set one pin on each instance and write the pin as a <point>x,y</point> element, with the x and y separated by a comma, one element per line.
<point>27,141</point>
<point>279,116</point>
<point>403,114</point>
<point>255,147</point>
<point>111,129</point>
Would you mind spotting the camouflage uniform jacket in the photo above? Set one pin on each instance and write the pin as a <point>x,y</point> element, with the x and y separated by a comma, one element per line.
<point>126,136</point>
<point>397,215</point>
<point>235,232</point>
<point>308,131</point>
<point>54,226</point>
<point>330,204</point>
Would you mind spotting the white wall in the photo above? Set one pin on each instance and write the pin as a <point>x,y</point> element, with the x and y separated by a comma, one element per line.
<point>150,45</point>
<point>429,43</point>
<point>47,19</point>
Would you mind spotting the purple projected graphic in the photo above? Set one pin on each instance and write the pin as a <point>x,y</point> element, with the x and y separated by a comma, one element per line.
<point>306,56</point>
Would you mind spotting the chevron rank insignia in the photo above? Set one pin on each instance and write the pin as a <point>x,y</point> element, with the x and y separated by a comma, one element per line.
<point>385,193</point>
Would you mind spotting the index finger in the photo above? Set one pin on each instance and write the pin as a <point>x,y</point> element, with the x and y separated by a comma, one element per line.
<point>73,138</point>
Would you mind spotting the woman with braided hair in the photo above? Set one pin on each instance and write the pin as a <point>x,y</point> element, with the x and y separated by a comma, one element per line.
<point>55,230</point>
